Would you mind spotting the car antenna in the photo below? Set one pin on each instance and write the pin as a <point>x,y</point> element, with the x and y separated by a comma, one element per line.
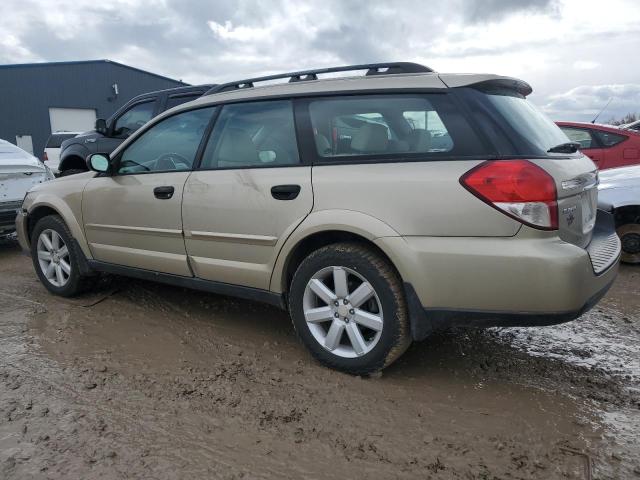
<point>600,112</point>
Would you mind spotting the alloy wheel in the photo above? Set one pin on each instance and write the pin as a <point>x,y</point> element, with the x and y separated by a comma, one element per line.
<point>343,312</point>
<point>53,258</point>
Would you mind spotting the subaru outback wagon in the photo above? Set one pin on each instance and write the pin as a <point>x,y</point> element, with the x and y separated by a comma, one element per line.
<point>376,208</point>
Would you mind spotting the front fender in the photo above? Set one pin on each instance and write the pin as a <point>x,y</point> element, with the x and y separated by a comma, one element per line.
<point>67,204</point>
<point>69,154</point>
<point>349,221</point>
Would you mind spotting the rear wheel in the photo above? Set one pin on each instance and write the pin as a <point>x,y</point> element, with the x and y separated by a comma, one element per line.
<point>347,305</point>
<point>630,239</point>
<point>55,257</point>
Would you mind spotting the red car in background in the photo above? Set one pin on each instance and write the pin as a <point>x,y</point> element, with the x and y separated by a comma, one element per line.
<point>607,146</point>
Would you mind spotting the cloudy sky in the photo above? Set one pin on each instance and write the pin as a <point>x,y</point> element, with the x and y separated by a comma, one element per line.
<point>576,53</point>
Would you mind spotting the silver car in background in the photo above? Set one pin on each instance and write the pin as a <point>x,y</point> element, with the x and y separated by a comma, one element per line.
<point>19,171</point>
<point>619,194</point>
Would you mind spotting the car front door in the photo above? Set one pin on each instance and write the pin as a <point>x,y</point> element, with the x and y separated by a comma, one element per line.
<point>249,193</point>
<point>589,145</point>
<point>134,217</point>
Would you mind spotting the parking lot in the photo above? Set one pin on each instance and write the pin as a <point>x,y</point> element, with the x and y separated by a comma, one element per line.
<point>139,380</point>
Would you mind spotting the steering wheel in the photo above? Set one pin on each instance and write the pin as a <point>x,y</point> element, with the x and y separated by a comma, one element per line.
<point>167,161</point>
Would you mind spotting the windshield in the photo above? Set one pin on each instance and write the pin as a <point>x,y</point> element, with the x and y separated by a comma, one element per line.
<point>516,125</point>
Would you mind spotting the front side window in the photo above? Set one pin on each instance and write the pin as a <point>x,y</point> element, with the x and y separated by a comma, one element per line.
<point>609,139</point>
<point>581,136</point>
<point>170,145</point>
<point>257,134</point>
<point>133,119</point>
<point>390,125</point>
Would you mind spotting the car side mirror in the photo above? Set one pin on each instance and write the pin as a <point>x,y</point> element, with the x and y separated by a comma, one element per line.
<point>99,162</point>
<point>101,126</point>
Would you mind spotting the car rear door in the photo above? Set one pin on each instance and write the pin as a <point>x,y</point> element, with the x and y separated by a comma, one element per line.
<point>134,217</point>
<point>249,193</point>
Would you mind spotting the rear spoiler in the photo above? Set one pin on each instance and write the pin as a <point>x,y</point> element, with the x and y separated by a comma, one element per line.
<point>520,86</point>
<point>486,83</point>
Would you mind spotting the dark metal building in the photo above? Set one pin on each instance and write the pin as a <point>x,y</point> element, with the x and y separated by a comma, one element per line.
<point>37,99</point>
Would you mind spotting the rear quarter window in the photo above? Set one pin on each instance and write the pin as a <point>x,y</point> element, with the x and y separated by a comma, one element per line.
<point>512,123</point>
<point>391,127</point>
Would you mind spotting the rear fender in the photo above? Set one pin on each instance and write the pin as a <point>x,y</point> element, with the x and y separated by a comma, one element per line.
<point>349,221</point>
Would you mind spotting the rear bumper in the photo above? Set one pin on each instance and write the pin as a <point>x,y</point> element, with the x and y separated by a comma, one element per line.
<point>532,278</point>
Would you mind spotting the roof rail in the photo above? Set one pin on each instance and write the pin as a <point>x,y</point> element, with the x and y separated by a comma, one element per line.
<point>305,75</point>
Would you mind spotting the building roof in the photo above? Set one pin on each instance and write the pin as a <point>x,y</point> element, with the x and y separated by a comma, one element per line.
<point>85,62</point>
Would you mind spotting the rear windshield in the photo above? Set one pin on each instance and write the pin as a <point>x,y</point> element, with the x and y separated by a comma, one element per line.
<point>56,139</point>
<point>514,124</point>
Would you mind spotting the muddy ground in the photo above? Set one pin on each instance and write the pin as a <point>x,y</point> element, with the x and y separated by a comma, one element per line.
<point>139,380</point>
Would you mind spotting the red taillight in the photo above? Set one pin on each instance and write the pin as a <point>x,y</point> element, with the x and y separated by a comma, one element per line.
<point>45,157</point>
<point>517,188</point>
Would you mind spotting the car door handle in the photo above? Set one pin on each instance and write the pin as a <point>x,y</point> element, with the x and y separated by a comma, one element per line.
<point>285,192</point>
<point>163,193</point>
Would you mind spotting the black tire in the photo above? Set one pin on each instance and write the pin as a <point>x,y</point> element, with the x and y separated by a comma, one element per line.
<point>71,171</point>
<point>630,238</point>
<point>76,282</point>
<point>394,338</point>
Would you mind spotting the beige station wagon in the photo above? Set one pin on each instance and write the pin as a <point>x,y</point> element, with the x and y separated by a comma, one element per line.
<point>376,208</point>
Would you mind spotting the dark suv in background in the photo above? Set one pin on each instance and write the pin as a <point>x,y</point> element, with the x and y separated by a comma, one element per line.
<point>108,134</point>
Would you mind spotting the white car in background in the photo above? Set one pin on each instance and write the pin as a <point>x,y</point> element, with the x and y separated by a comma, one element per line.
<point>52,149</point>
<point>19,171</point>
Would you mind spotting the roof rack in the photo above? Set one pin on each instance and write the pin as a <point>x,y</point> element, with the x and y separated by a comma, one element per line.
<point>306,75</point>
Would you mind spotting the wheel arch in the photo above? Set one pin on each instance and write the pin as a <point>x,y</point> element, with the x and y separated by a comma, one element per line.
<point>74,158</point>
<point>51,205</point>
<point>324,228</point>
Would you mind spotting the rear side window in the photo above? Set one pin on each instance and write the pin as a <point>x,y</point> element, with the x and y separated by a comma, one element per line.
<point>512,123</point>
<point>609,139</point>
<point>256,134</point>
<point>55,140</point>
<point>580,135</point>
<point>391,126</point>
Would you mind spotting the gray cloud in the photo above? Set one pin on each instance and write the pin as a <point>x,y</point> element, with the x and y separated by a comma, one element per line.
<point>493,10</point>
<point>557,45</point>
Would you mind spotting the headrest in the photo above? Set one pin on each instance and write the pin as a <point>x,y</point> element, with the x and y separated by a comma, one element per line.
<point>237,148</point>
<point>370,138</point>
<point>420,140</point>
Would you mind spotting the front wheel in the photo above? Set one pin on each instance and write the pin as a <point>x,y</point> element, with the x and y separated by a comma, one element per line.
<point>55,257</point>
<point>348,308</point>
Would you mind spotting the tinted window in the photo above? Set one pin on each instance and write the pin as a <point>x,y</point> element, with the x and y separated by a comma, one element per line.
<point>176,100</point>
<point>582,136</point>
<point>513,124</point>
<point>55,140</point>
<point>170,145</point>
<point>609,139</point>
<point>391,125</point>
<point>256,134</point>
<point>133,119</point>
